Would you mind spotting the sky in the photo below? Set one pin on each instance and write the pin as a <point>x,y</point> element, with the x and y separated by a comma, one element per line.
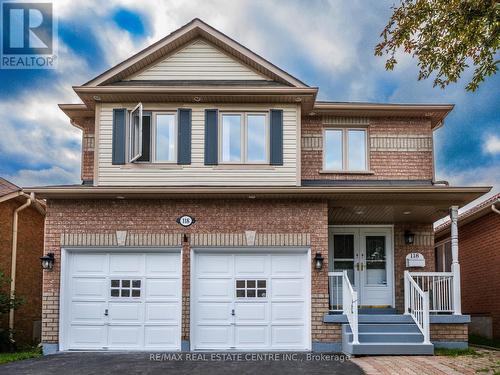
<point>325,43</point>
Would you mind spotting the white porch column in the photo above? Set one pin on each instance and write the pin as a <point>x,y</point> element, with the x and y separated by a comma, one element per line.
<point>455,266</point>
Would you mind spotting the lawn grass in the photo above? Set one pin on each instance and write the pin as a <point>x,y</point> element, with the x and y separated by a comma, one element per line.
<point>480,340</point>
<point>455,352</point>
<point>20,355</point>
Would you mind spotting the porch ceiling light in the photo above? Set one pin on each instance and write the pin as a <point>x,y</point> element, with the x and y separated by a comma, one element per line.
<point>48,261</point>
<point>97,98</point>
<point>409,237</point>
<point>318,261</point>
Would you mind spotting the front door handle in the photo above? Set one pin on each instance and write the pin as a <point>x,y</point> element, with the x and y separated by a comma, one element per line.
<point>106,312</point>
<point>232,312</point>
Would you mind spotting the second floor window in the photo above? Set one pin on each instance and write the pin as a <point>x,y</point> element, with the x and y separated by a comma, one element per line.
<point>165,136</point>
<point>244,138</point>
<point>152,136</point>
<point>345,150</point>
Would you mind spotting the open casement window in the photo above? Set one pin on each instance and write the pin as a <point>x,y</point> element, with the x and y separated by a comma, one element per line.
<point>135,133</point>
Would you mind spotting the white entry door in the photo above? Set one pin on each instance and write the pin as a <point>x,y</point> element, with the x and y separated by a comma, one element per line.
<point>244,301</point>
<point>122,301</point>
<point>367,255</point>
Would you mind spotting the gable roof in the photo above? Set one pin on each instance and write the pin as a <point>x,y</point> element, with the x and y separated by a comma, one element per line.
<point>7,187</point>
<point>173,42</point>
<point>474,213</point>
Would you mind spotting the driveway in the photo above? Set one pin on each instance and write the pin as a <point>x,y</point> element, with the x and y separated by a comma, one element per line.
<point>483,362</point>
<point>185,363</point>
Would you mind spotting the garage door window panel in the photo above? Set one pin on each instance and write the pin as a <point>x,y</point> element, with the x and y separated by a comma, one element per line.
<point>125,288</point>
<point>251,288</point>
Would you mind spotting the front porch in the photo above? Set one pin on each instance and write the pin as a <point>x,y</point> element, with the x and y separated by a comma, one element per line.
<point>383,290</point>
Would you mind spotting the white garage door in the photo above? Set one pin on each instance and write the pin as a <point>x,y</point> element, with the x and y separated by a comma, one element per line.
<point>258,301</point>
<point>122,301</point>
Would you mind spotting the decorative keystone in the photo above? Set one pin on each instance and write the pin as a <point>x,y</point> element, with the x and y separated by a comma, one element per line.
<point>250,235</point>
<point>121,237</point>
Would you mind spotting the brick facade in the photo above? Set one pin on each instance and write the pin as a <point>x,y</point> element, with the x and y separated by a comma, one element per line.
<point>213,216</point>
<point>478,254</point>
<point>449,332</point>
<point>88,147</point>
<point>28,270</point>
<point>399,149</point>
<point>423,243</point>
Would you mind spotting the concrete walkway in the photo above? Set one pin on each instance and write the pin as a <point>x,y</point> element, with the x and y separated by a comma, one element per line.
<point>486,362</point>
<point>184,363</point>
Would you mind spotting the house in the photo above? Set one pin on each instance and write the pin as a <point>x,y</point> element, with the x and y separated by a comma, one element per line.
<point>223,207</point>
<point>479,255</point>
<point>21,246</point>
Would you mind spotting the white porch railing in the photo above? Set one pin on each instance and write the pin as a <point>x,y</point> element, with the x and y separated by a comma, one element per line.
<point>344,299</point>
<point>350,306</point>
<point>417,305</point>
<point>440,288</point>
<point>335,289</point>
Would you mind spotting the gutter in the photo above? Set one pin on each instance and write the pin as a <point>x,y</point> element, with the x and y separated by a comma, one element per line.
<point>494,209</point>
<point>197,89</point>
<point>215,190</point>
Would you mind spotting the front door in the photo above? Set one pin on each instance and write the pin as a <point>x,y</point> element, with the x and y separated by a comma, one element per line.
<point>366,253</point>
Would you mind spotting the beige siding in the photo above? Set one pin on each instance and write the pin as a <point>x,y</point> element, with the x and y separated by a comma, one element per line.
<point>197,173</point>
<point>198,61</point>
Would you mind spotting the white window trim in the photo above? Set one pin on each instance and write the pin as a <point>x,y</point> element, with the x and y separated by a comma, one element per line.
<point>345,150</point>
<point>135,156</point>
<point>243,140</point>
<point>152,141</point>
<point>154,114</point>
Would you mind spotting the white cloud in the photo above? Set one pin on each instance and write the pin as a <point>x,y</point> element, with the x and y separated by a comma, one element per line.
<point>492,145</point>
<point>333,38</point>
<point>43,177</point>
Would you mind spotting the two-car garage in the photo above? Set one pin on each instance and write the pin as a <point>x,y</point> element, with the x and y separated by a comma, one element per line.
<point>240,299</point>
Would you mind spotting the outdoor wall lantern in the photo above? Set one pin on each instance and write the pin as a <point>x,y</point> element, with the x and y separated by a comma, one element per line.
<point>409,237</point>
<point>318,261</point>
<point>48,261</point>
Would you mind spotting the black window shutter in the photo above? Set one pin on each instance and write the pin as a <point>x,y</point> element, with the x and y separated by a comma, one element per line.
<point>146,137</point>
<point>211,137</point>
<point>184,136</point>
<point>276,137</point>
<point>119,136</point>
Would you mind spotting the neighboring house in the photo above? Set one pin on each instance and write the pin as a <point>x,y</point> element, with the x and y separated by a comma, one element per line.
<point>222,205</point>
<point>479,258</point>
<point>21,246</point>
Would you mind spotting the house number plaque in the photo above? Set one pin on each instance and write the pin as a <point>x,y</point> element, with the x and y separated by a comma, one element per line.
<point>186,220</point>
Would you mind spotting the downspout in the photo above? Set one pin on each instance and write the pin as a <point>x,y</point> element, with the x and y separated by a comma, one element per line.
<point>29,200</point>
<point>494,209</point>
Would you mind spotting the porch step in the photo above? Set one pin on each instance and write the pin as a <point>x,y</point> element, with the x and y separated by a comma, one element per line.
<point>385,318</point>
<point>385,335</point>
<point>393,337</point>
<point>376,310</point>
<point>389,349</point>
<point>383,328</point>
